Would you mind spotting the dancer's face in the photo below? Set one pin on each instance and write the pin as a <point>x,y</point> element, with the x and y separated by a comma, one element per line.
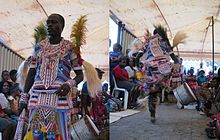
<point>54,26</point>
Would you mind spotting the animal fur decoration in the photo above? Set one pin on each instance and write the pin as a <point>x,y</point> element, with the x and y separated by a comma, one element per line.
<point>22,74</point>
<point>78,34</point>
<point>93,81</point>
<point>179,38</point>
<point>134,46</point>
<point>142,102</point>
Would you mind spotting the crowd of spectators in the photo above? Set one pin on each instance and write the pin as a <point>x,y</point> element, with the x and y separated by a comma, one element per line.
<point>9,97</point>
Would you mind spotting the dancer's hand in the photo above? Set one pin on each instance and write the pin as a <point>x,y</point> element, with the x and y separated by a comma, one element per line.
<point>63,90</point>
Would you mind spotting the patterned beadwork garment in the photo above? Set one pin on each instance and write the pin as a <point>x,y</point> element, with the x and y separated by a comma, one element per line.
<point>157,59</point>
<point>49,114</point>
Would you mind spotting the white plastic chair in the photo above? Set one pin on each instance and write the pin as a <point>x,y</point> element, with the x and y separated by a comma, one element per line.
<point>115,94</point>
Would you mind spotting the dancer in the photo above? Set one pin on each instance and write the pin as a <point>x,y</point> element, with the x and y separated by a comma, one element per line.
<point>157,62</point>
<point>48,84</point>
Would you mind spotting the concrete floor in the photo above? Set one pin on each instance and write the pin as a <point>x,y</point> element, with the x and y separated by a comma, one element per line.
<point>171,124</point>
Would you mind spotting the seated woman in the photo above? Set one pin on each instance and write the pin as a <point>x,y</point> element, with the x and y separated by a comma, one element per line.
<point>217,78</point>
<point>132,74</point>
<point>123,81</point>
<point>215,95</point>
<point>7,114</point>
<point>192,82</point>
<point>203,92</point>
<point>7,101</point>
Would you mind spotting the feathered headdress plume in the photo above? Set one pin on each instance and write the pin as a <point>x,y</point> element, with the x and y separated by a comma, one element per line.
<point>162,31</point>
<point>179,38</point>
<point>78,38</point>
<point>78,34</point>
<point>40,32</point>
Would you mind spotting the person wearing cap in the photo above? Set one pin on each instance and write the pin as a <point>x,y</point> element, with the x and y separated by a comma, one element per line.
<point>98,112</point>
<point>85,94</point>
<point>114,57</point>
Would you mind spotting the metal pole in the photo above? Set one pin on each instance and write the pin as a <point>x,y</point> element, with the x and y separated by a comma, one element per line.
<point>213,46</point>
<point>119,32</point>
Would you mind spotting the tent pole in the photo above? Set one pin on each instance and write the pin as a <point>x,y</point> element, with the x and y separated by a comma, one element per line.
<point>213,47</point>
<point>119,32</point>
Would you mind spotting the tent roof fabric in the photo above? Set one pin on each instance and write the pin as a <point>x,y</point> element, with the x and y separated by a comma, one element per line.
<point>20,17</point>
<point>190,16</point>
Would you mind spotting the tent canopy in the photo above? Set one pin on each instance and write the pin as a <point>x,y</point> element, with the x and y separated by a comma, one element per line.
<point>20,17</point>
<point>190,16</point>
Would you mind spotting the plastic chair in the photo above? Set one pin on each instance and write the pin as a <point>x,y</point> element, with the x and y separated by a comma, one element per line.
<point>115,94</point>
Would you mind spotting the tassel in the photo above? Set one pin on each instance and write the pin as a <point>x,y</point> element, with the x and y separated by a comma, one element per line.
<point>22,74</point>
<point>29,136</point>
<point>43,129</point>
<point>58,137</point>
<point>93,81</point>
<point>179,38</point>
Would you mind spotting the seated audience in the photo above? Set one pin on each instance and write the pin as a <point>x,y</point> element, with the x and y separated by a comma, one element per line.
<point>7,101</point>
<point>123,81</point>
<point>7,126</point>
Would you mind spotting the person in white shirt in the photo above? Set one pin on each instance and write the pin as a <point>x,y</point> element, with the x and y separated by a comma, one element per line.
<point>130,68</point>
<point>6,100</point>
<point>208,69</point>
<point>4,94</point>
<point>132,75</point>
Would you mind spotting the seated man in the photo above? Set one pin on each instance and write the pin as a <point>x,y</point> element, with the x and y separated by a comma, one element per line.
<point>215,96</point>
<point>203,94</point>
<point>123,81</point>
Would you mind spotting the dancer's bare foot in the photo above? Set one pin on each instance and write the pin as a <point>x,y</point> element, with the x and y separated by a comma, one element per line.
<point>153,119</point>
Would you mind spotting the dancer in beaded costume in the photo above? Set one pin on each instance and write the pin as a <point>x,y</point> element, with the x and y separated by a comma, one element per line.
<point>47,90</point>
